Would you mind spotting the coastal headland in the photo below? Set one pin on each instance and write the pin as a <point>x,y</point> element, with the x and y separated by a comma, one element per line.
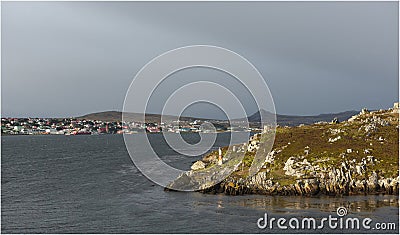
<point>356,156</point>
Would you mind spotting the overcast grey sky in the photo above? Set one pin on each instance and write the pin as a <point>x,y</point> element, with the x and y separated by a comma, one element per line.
<point>72,58</point>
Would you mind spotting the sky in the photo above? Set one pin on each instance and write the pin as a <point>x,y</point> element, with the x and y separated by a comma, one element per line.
<point>63,59</point>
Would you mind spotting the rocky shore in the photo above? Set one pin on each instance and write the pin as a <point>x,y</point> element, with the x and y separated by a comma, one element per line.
<point>333,183</point>
<point>352,157</point>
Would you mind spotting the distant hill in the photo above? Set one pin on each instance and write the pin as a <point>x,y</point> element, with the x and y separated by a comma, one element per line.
<point>289,120</point>
<point>113,116</point>
<point>283,120</point>
<point>107,116</point>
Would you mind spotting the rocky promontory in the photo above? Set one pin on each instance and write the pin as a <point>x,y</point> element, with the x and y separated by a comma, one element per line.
<point>356,156</point>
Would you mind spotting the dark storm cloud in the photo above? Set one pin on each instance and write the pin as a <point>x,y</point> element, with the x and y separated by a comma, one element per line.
<point>63,59</point>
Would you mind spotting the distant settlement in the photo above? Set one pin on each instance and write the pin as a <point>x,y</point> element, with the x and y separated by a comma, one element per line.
<point>73,126</point>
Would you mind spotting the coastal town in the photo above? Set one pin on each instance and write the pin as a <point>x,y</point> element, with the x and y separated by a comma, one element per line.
<point>74,126</point>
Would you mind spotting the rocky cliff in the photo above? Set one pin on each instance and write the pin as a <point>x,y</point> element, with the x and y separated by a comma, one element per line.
<point>357,156</point>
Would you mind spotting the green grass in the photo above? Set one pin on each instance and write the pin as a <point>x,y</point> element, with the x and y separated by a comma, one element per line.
<point>328,155</point>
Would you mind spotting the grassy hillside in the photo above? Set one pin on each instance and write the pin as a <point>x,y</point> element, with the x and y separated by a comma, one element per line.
<point>357,155</point>
<point>353,137</point>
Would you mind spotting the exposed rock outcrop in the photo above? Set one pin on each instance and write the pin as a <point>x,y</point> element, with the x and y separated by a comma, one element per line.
<point>198,165</point>
<point>334,182</point>
<point>357,156</point>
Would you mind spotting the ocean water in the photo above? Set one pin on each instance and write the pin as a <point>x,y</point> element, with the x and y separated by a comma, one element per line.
<point>88,184</point>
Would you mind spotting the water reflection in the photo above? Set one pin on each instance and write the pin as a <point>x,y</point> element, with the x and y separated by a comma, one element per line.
<point>289,205</point>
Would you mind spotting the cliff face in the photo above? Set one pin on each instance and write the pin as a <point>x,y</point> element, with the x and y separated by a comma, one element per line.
<point>357,156</point>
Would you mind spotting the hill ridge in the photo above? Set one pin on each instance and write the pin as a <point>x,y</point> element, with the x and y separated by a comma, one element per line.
<point>282,119</point>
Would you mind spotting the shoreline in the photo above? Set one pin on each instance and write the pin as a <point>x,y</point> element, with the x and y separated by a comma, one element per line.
<point>308,188</point>
<point>359,156</point>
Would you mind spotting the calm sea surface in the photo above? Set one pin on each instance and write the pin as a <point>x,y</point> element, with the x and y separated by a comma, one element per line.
<point>88,184</point>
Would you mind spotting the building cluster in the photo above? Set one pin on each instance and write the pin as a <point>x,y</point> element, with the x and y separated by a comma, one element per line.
<point>71,126</point>
<point>66,126</point>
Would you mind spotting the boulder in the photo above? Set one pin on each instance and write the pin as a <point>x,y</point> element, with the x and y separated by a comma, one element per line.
<point>372,181</point>
<point>364,111</point>
<point>332,140</point>
<point>335,120</point>
<point>198,165</point>
<point>270,157</point>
